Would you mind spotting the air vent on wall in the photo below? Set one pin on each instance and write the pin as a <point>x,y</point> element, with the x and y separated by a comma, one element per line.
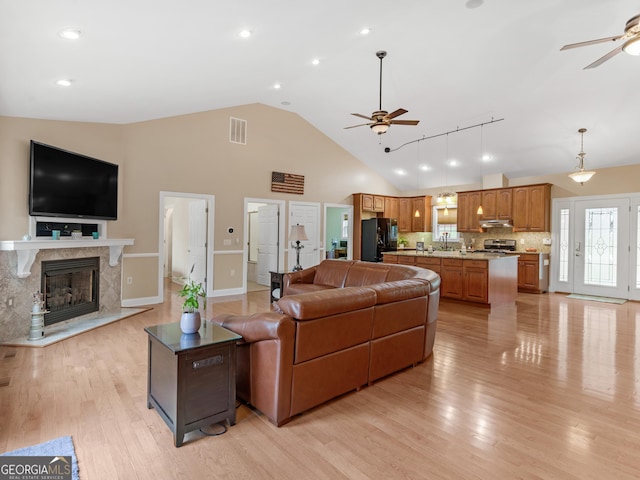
<point>237,130</point>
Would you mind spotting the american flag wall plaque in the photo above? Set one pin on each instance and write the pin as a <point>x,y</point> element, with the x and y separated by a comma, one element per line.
<point>287,183</point>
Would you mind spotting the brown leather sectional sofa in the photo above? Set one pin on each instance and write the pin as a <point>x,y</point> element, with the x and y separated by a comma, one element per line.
<point>340,325</point>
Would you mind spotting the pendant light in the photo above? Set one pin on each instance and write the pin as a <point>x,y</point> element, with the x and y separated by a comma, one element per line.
<point>480,210</point>
<point>580,176</point>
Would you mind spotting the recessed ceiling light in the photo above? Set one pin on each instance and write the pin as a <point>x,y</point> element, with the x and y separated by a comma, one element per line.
<point>70,33</point>
<point>285,103</point>
<point>474,3</point>
<point>425,168</point>
<point>65,82</point>
<point>399,171</point>
<point>365,31</point>
<point>453,163</point>
<point>315,61</point>
<point>486,158</point>
<point>245,33</point>
<point>277,86</point>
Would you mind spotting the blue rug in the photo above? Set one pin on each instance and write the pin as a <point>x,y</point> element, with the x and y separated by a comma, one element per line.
<point>59,447</point>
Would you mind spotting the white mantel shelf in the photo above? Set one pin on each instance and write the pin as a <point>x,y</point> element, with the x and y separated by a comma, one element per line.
<point>28,249</point>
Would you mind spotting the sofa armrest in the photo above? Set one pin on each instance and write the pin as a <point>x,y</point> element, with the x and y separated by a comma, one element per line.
<point>271,340</point>
<point>302,276</point>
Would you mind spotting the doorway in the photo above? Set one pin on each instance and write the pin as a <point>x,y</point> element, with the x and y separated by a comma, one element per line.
<point>338,230</point>
<point>308,215</point>
<point>264,240</point>
<point>185,233</point>
<point>592,250</point>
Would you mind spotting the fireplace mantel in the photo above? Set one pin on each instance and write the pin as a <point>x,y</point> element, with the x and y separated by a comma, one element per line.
<point>28,249</point>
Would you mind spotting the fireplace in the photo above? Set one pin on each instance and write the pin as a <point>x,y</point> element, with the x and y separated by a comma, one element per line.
<point>70,288</point>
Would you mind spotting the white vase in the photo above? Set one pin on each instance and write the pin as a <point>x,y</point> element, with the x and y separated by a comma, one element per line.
<point>190,322</point>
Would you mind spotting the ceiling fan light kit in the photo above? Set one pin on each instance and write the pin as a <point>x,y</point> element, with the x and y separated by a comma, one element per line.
<point>380,120</point>
<point>581,175</point>
<point>632,47</point>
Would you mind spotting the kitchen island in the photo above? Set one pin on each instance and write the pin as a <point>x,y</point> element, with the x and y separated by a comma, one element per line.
<point>483,278</point>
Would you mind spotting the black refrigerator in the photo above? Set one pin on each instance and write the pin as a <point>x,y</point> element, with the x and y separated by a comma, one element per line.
<point>378,235</point>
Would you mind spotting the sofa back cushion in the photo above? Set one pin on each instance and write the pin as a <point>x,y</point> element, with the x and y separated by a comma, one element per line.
<point>308,306</point>
<point>366,273</point>
<point>332,273</point>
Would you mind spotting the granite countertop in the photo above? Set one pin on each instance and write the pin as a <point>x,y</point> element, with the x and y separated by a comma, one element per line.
<point>452,254</point>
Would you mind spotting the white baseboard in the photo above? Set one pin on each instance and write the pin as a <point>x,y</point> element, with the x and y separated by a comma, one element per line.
<point>228,291</point>
<point>139,302</point>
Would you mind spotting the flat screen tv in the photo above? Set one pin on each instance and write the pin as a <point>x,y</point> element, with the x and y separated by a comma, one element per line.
<point>67,184</point>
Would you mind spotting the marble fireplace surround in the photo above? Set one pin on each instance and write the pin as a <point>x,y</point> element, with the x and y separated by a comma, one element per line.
<point>20,269</point>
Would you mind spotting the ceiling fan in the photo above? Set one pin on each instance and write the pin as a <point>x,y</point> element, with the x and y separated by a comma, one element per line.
<point>380,120</point>
<point>631,45</point>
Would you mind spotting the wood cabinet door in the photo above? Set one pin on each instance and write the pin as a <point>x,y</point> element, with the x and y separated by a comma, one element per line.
<point>539,200</point>
<point>528,274</point>
<point>463,212</point>
<point>475,200</point>
<point>475,286</point>
<point>489,204</point>
<point>451,282</point>
<point>390,207</point>
<point>520,209</point>
<point>504,204</point>
<point>404,215</point>
<point>378,203</point>
<point>421,206</point>
<point>367,203</point>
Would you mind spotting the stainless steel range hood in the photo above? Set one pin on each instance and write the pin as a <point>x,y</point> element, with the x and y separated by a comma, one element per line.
<point>496,223</point>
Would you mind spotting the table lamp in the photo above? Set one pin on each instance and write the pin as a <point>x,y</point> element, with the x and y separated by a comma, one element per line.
<point>297,235</point>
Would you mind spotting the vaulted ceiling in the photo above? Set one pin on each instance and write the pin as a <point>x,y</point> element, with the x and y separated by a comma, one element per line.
<point>451,63</point>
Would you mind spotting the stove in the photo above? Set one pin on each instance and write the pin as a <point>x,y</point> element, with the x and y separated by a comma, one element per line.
<point>497,245</point>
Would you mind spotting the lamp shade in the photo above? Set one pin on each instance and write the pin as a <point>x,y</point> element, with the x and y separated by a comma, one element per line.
<point>380,128</point>
<point>582,176</point>
<point>297,233</point>
<point>632,46</point>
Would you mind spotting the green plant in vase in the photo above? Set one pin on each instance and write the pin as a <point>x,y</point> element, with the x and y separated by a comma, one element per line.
<point>192,292</point>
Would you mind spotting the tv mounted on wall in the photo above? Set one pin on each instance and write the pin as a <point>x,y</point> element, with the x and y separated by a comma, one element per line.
<point>67,184</point>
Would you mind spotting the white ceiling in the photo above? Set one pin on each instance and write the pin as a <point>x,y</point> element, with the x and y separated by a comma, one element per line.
<point>450,65</point>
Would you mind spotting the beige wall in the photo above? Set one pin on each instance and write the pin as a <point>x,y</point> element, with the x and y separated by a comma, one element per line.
<point>192,154</point>
<point>189,154</point>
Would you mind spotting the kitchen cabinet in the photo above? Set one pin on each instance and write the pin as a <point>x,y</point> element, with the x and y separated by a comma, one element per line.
<point>475,276</point>
<point>533,272</point>
<point>404,215</point>
<point>468,203</point>
<point>478,278</point>
<point>372,203</point>
<point>532,208</point>
<point>421,214</point>
<point>497,204</point>
<point>451,278</point>
<point>391,207</point>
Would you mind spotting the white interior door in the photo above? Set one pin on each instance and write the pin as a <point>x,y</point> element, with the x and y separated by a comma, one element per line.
<point>601,248</point>
<point>197,240</point>
<point>309,216</point>
<point>268,222</point>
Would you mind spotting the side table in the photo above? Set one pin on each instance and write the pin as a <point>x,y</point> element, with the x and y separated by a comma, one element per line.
<point>276,285</point>
<point>192,378</point>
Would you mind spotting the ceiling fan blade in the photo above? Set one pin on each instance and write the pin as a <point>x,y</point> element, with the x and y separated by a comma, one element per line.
<point>360,125</point>
<point>397,113</point>
<point>603,59</point>
<point>404,122</point>
<point>362,116</point>
<point>592,42</point>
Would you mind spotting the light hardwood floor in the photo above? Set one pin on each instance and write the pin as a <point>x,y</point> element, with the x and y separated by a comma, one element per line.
<point>545,389</point>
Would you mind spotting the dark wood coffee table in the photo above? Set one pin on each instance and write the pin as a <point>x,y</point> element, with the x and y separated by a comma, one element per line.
<point>192,378</point>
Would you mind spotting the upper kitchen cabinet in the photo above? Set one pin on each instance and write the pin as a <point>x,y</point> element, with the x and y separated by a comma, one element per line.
<point>372,203</point>
<point>468,218</point>
<point>497,204</point>
<point>390,207</point>
<point>532,208</point>
<point>404,214</point>
<point>421,214</point>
